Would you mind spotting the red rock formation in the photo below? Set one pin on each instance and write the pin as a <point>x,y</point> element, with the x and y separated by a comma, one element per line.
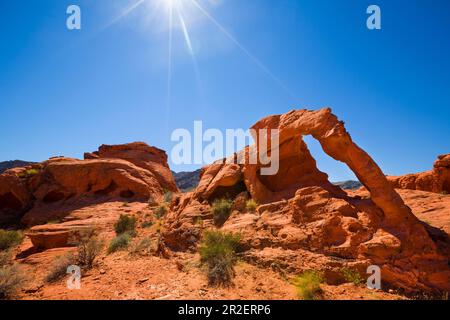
<point>304,215</point>
<point>40,188</point>
<point>436,180</point>
<point>141,155</point>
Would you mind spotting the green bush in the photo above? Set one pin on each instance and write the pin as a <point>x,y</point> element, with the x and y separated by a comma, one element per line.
<point>218,255</point>
<point>125,224</point>
<point>119,243</point>
<point>9,239</point>
<point>308,285</point>
<point>221,210</point>
<point>161,211</point>
<point>352,275</point>
<point>11,280</point>
<point>58,269</point>
<point>251,205</point>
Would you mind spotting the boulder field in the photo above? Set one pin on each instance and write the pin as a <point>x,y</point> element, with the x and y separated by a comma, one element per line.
<point>302,221</point>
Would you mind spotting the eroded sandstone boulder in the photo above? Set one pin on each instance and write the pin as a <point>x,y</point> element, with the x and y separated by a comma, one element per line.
<point>35,193</point>
<point>141,155</point>
<point>436,180</point>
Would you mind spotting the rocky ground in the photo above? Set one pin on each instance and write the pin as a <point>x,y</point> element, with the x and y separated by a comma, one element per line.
<point>124,275</point>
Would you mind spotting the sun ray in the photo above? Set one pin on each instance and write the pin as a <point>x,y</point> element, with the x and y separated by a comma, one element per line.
<point>185,32</point>
<point>187,38</point>
<point>124,13</point>
<point>169,67</point>
<point>240,46</point>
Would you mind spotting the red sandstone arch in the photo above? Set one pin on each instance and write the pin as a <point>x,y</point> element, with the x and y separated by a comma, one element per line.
<point>325,127</point>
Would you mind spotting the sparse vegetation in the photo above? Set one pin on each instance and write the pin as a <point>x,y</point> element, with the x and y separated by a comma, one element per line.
<point>9,239</point>
<point>161,211</point>
<point>158,227</point>
<point>126,224</point>
<point>146,224</point>
<point>89,248</point>
<point>444,193</point>
<point>198,221</point>
<point>168,196</point>
<point>125,204</point>
<point>5,257</point>
<point>352,275</point>
<point>58,269</point>
<point>218,255</point>
<point>11,280</point>
<point>221,210</point>
<point>308,285</point>
<point>28,173</point>
<point>120,242</point>
<point>251,205</point>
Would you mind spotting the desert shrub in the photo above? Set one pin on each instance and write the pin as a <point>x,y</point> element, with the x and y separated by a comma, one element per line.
<point>88,250</point>
<point>28,173</point>
<point>352,275</point>
<point>58,269</point>
<point>218,255</point>
<point>308,285</point>
<point>251,205</point>
<point>158,227</point>
<point>11,280</point>
<point>125,224</point>
<point>161,211</point>
<point>9,239</point>
<point>5,257</point>
<point>444,193</point>
<point>168,197</point>
<point>141,247</point>
<point>198,221</point>
<point>221,210</point>
<point>146,224</point>
<point>119,243</point>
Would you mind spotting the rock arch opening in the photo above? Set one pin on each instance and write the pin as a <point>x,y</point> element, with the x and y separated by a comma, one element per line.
<point>325,127</point>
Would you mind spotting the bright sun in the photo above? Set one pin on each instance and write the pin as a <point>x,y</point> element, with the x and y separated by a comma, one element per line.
<point>180,15</point>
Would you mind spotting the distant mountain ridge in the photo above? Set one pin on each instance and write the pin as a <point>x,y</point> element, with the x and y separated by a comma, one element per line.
<point>187,180</point>
<point>349,185</point>
<point>5,165</point>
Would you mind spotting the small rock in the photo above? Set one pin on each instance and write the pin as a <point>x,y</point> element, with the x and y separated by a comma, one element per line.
<point>143,280</point>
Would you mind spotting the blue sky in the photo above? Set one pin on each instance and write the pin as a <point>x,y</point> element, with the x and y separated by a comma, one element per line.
<point>66,92</point>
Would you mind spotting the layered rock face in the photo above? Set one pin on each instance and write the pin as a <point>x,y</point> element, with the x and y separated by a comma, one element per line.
<point>140,154</point>
<point>128,172</point>
<point>436,180</point>
<point>304,221</point>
